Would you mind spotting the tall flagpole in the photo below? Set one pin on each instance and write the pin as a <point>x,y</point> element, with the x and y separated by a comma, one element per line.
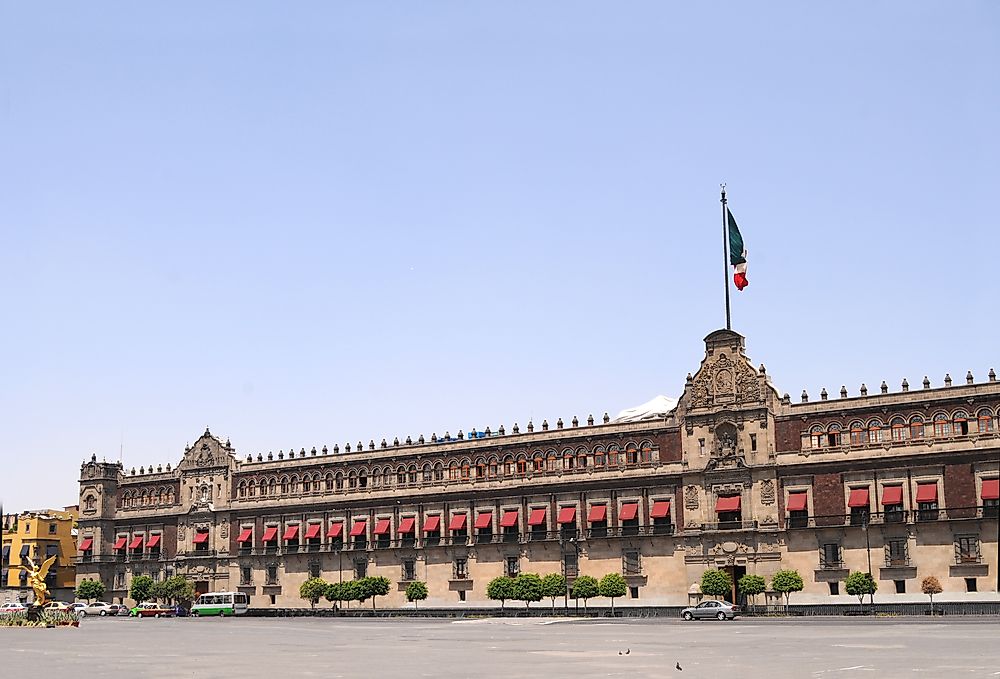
<point>725,257</point>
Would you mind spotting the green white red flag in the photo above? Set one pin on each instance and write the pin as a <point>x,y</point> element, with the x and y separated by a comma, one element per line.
<point>737,252</point>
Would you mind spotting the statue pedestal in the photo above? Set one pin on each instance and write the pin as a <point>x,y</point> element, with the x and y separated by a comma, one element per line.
<point>34,613</point>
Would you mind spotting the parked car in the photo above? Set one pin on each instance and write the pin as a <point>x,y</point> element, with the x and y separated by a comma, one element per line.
<point>56,606</point>
<point>12,607</point>
<point>100,608</point>
<point>152,610</point>
<point>721,610</point>
<point>77,607</point>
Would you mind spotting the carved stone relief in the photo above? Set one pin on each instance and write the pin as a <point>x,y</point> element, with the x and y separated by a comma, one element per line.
<point>767,492</point>
<point>691,497</point>
<point>725,381</point>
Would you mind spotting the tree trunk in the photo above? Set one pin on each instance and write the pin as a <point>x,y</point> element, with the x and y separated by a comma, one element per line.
<point>612,607</point>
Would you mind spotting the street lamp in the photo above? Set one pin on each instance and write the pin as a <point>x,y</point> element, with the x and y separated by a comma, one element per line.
<point>868,550</point>
<point>576,549</point>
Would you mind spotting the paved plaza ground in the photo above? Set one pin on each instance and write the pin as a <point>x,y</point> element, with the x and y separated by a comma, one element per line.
<point>509,648</point>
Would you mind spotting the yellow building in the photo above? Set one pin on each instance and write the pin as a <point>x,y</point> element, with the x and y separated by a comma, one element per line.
<point>39,535</point>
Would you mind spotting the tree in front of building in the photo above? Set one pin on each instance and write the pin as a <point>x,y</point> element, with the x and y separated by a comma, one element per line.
<point>751,585</point>
<point>931,586</point>
<point>312,590</point>
<point>528,588</point>
<point>859,584</point>
<point>786,582</point>
<point>717,583</point>
<point>377,586</point>
<point>335,592</point>
<point>416,591</point>
<point>501,589</point>
<point>141,588</point>
<point>585,587</point>
<point>612,585</point>
<point>554,586</point>
<point>90,589</point>
<point>175,589</point>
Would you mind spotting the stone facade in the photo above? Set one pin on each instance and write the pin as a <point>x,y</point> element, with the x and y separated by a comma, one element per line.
<point>736,477</point>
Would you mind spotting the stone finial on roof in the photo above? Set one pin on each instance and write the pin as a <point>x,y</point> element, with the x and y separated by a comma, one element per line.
<point>607,418</point>
<point>325,450</point>
<point>420,439</point>
<point>590,420</point>
<point>409,441</point>
<point>884,388</point>
<point>927,382</point>
<point>434,437</point>
<point>461,436</point>
<point>689,380</point>
<point>168,466</point>
<point>270,455</point>
<point>395,442</point>
<point>302,452</point>
<point>347,447</point>
<point>531,426</point>
<point>864,389</point>
<point>843,391</point>
<point>383,444</point>
<point>545,425</point>
<point>142,470</point>
<point>823,395</point>
<point>906,385</point>
<point>559,423</point>
<point>992,375</point>
<point>249,458</point>
<point>805,396</point>
<point>575,422</point>
<point>516,429</point>
<point>968,378</point>
<point>488,432</point>
<point>260,457</point>
<point>281,454</point>
<point>313,451</point>
<point>786,399</point>
<point>947,379</point>
<point>501,430</point>
<point>762,369</point>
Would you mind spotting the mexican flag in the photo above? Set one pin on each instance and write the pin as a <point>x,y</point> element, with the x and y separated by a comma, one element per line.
<point>737,253</point>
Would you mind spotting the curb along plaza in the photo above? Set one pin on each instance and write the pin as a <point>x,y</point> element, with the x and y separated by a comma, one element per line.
<point>902,482</point>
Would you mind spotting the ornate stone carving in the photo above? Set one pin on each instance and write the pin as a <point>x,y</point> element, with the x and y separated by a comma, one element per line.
<point>767,492</point>
<point>180,530</point>
<point>691,497</point>
<point>725,381</point>
<point>224,529</point>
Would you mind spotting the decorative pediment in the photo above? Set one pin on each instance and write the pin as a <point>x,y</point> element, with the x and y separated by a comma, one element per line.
<point>726,377</point>
<point>207,451</point>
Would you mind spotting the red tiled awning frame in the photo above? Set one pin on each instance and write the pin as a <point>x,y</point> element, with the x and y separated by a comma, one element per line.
<point>359,527</point>
<point>407,525</point>
<point>566,515</point>
<point>660,510</point>
<point>120,543</point>
<point>798,501</point>
<point>86,545</point>
<point>629,511</point>
<point>312,531</point>
<point>246,535</point>
<point>484,520</point>
<point>927,491</point>
<point>858,498</point>
<point>270,534</point>
<point>457,522</point>
<point>153,541</point>
<point>382,527</point>
<point>597,513</point>
<point>892,495</point>
<point>537,517</point>
<point>728,503</point>
<point>136,542</point>
<point>509,518</point>
<point>201,537</point>
<point>432,523</point>
<point>991,489</point>
<point>336,529</point>
<point>291,533</point>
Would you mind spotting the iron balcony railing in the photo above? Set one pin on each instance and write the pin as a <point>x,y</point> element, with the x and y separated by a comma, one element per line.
<point>729,525</point>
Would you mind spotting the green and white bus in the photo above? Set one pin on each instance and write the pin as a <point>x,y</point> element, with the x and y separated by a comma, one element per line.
<point>221,603</point>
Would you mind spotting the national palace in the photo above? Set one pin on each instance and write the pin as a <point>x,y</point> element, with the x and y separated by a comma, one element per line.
<point>736,476</point>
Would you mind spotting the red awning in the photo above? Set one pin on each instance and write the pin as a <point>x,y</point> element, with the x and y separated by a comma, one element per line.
<point>153,541</point>
<point>484,520</point>
<point>87,544</point>
<point>991,489</point>
<point>598,513</point>
<point>537,517</point>
<point>566,515</point>
<point>661,509</point>
<point>312,531</point>
<point>359,527</point>
<point>291,533</point>
<point>336,528</point>
<point>136,542</point>
<point>457,522</point>
<point>799,502</point>
<point>432,523</point>
<point>927,492</point>
<point>201,537</point>
<point>382,526</point>
<point>406,525</point>
<point>629,511</point>
<point>270,534</point>
<point>858,498</point>
<point>892,495</point>
<point>246,535</point>
<point>509,518</point>
<point>728,504</point>
<point>120,543</point>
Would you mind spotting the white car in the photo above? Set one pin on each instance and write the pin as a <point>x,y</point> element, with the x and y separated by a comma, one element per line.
<point>100,608</point>
<point>12,607</point>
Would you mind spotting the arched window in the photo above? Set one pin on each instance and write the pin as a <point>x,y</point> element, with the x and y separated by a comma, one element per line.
<point>241,491</point>
<point>480,469</point>
<point>400,476</point>
<point>306,484</point>
<point>339,481</point>
<point>600,457</point>
<point>508,466</point>
<point>362,478</point>
<point>631,454</point>
<point>376,477</point>
<point>858,435</point>
<point>522,465</point>
<point>900,431</point>
<point>614,455</point>
<point>551,461</point>
<point>581,458</point>
<point>293,485</point>
<point>328,481</point>
<point>538,463</point>
<point>875,431</point>
<point>917,427</point>
<point>465,469</point>
<point>438,471</point>
<point>352,480</point>
<point>426,473</point>
<point>942,425</point>
<point>817,437</point>
<point>494,467</point>
<point>568,459</point>
<point>284,485</point>
<point>411,473</point>
<point>386,477</point>
<point>985,418</point>
<point>833,435</point>
<point>272,486</point>
<point>960,423</point>
<point>646,452</point>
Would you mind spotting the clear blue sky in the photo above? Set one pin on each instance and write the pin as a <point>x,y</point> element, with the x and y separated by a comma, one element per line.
<point>312,223</point>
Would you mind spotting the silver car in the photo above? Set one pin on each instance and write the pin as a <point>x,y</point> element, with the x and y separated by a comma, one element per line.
<point>720,610</point>
<point>100,608</point>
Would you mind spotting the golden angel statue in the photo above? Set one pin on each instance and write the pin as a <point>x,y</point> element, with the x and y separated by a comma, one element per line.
<point>36,578</point>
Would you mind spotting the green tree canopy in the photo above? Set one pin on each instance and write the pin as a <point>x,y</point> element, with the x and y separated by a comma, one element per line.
<point>859,584</point>
<point>501,589</point>
<point>585,587</point>
<point>751,585</point>
<point>377,586</point>
<point>786,582</point>
<point>416,591</point>
<point>553,586</point>
<point>359,590</point>
<point>176,589</point>
<point>717,583</point>
<point>90,589</point>
<point>334,592</point>
<point>141,588</point>
<point>528,588</point>
<point>312,590</point>
<point>612,585</point>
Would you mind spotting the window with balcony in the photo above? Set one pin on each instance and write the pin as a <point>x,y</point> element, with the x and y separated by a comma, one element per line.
<point>598,520</point>
<point>537,524</point>
<point>727,508</point>
<point>246,576</point>
<point>967,549</point>
<point>409,569</point>
<point>272,575</point>
<point>798,509</point>
<point>512,567</point>
<point>631,564</point>
<point>927,501</point>
<point>460,569</point>
<point>896,553</point>
<point>660,514</point>
<point>892,504</point>
<point>990,495</point>
<point>567,522</point>
<point>360,568</point>
<point>830,555</point>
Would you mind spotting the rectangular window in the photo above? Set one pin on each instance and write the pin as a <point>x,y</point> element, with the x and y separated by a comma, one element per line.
<point>246,576</point>
<point>830,556</point>
<point>834,588</point>
<point>513,567</point>
<point>360,568</point>
<point>753,443</point>
<point>971,585</point>
<point>52,529</point>
<point>900,586</point>
<point>798,518</point>
<point>967,549</point>
<point>895,553</point>
<point>571,565</point>
<point>314,570</point>
<point>272,576</point>
<point>991,508</point>
<point>409,569</point>
<point>460,569</point>
<point>630,563</point>
<point>859,516</point>
<point>633,592</point>
<point>461,595</point>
